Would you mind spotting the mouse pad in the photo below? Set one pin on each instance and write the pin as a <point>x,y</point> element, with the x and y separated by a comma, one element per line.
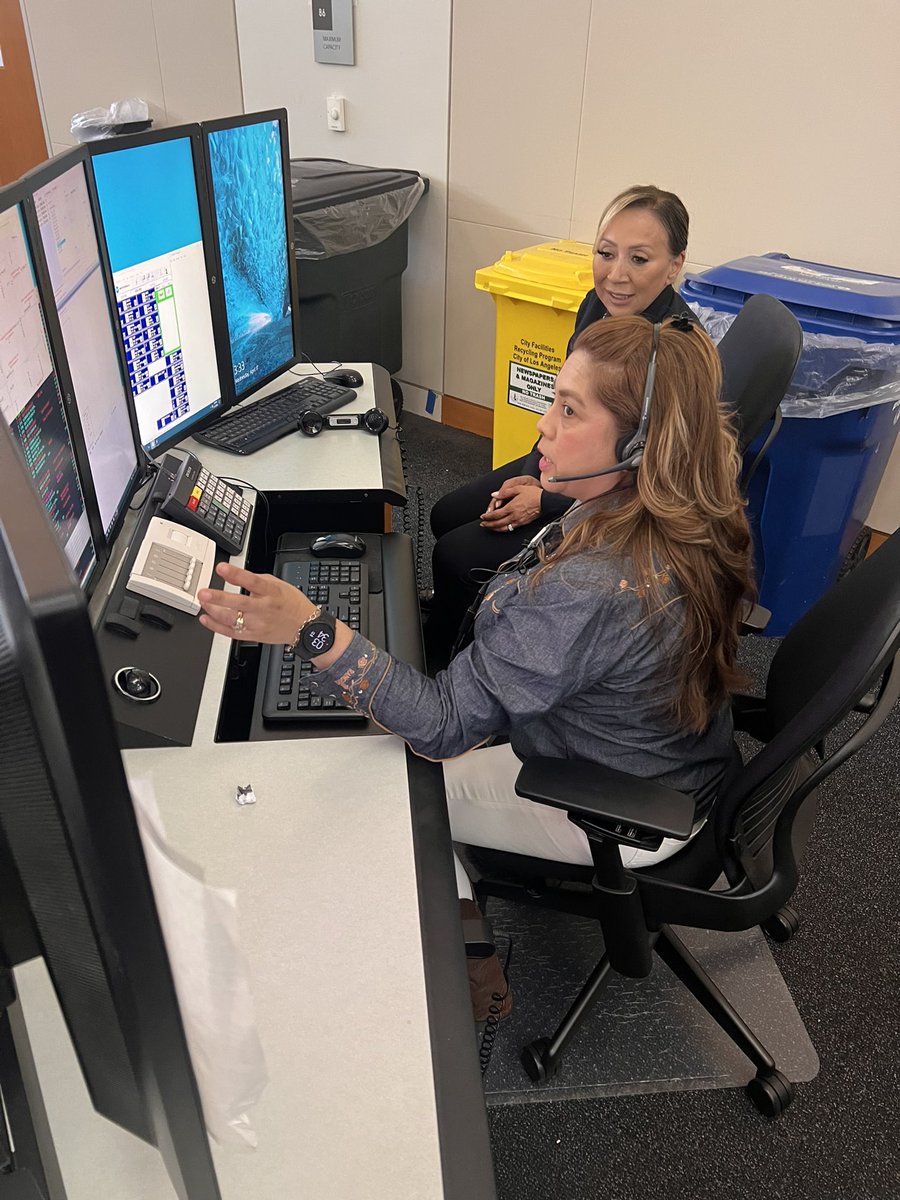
<point>643,1035</point>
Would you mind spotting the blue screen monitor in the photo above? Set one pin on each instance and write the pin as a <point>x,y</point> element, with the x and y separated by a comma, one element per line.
<point>153,216</point>
<point>60,208</point>
<point>31,399</point>
<point>248,166</point>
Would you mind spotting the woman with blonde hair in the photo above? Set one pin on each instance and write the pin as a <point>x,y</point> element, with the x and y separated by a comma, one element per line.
<point>611,639</point>
<point>638,252</point>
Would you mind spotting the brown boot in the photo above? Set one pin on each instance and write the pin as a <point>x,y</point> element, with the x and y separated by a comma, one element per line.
<point>488,988</point>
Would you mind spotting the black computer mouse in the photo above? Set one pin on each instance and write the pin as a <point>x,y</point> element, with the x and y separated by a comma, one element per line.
<point>344,377</point>
<point>338,545</point>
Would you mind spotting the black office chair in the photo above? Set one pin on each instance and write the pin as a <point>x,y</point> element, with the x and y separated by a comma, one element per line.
<point>759,353</point>
<point>839,658</point>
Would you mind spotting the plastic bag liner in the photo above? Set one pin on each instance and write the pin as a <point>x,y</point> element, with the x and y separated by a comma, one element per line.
<point>212,981</point>
<point>122,116</point>
<point>340,207</point>
<point>834,374</point>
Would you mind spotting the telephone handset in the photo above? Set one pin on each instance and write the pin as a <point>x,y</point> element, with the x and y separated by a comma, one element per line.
<point>172,565</point>
<point>198,500</point>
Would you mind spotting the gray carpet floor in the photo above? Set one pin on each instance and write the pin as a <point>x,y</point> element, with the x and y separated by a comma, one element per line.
<point>840,1140</point>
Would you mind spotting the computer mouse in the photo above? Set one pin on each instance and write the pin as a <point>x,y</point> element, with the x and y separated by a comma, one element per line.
<point>338,545</point>
<point>344,377</point>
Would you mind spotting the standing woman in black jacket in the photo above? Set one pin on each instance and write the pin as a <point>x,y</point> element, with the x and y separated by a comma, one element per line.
<point>638,253</point>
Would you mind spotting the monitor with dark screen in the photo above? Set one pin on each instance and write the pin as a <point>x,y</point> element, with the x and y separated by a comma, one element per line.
<point>248,167</point>
<point>74,886</point>
<point>153,215</point>
<point>31,399</point>
<point>61,208</point>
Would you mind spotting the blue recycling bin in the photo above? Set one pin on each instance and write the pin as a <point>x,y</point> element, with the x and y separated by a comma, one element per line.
<point>811,495</point>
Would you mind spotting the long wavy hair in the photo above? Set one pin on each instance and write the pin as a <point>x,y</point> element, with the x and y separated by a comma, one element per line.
<point>683,519</point>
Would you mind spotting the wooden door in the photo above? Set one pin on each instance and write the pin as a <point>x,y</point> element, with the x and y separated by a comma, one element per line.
<point>22,141</point>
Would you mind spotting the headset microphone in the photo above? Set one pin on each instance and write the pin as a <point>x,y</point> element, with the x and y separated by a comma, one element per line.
<point>630,464</point>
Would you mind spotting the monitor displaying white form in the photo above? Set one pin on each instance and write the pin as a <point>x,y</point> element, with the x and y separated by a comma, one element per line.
<point>72,254</point>
<point>150,210</point>
<point>31,399</point>
<point>248,167</point>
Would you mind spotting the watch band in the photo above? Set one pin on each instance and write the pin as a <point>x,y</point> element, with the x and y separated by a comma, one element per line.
<point>313,616</point>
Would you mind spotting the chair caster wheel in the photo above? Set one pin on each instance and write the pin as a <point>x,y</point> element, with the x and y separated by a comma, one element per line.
<point>782,925</point>
<point>536,1061</point>
<point>771,1093</point>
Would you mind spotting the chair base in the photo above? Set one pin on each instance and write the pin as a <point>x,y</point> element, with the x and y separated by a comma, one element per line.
<point>770,1091</point>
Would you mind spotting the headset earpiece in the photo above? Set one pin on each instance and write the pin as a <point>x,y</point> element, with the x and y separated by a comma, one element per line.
<point>312,422</point>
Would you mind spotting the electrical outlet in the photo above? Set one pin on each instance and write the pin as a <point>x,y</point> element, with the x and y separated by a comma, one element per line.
<point>334,109</point>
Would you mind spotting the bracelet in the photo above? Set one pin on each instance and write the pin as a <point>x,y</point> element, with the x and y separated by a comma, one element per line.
<point>312,617</point>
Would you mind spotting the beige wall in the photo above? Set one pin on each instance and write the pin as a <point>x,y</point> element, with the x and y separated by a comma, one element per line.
<point>182,58</point>
<point>776,123</point>
<point>396,113</point>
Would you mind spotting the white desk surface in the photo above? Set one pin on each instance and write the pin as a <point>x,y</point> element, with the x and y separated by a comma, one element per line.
<point>325,870</point>
<point>335,459</point>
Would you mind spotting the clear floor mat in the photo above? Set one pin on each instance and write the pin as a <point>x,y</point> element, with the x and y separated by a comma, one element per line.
<point>642,1035</point>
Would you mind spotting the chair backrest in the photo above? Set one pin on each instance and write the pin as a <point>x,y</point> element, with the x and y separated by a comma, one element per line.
<point>835,654</point>
<point>759,353</point>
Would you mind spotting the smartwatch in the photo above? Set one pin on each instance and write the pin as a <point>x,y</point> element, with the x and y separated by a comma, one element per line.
<point>316,636</point>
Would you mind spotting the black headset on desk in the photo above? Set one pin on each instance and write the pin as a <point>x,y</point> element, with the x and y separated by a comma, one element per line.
<point>313,422</point>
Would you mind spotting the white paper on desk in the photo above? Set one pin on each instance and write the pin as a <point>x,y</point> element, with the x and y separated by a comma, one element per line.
<point>199,925</point>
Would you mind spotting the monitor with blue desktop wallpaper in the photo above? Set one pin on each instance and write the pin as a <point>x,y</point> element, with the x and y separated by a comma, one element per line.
<point>248,167</point>
<point>31,399</point>
<point>153,208</point>
<point>60,207</point>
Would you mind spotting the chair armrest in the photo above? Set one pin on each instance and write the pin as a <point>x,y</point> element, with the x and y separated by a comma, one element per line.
<point>603,792</point>
<point>754,618</point>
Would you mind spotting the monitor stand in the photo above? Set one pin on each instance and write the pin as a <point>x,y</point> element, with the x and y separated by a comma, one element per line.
<point>29,1169</point>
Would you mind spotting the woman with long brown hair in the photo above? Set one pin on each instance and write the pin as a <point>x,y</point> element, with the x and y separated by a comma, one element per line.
<point>638,252</point>
<point>612,639</point>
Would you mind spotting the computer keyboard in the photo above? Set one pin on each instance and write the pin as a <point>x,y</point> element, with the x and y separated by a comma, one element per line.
<point>253,426</point>
<point>293,691</point>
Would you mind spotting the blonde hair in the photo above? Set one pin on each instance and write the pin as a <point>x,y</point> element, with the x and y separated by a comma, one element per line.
<point>665,206</point>
<point>684,517</point>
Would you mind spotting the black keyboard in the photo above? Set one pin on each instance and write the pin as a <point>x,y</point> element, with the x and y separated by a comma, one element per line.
<point>253,426</point>
<point>293,690</point>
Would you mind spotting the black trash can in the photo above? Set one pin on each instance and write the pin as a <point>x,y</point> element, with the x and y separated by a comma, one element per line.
<point>351,244</point>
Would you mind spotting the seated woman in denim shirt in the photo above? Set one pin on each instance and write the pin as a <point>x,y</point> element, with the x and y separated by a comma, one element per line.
<point>614,641</point>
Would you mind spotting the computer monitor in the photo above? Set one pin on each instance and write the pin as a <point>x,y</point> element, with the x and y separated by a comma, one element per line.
<point>153,207</point>
<point>74,886</point>
<point>248,167</point>
<point>61,219</point>
<point>31,399</point>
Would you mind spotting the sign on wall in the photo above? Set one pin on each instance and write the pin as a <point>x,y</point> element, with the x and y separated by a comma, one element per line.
<point>333,31</point>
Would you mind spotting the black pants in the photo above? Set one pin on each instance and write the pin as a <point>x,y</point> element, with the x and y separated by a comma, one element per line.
<point>465,555</point>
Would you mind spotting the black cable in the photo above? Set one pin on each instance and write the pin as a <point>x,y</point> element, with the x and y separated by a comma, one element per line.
<point>149,477</point>
<point>316,369</point>
<point>492,1024</point>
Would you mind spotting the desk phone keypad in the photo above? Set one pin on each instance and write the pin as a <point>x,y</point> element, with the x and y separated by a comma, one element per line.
<point>292,691</point>
<point>201,501</point>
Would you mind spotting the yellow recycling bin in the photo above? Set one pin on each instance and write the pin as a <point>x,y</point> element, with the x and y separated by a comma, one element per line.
<point>537,293</point>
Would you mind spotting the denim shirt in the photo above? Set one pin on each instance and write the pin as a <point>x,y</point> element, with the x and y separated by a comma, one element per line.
<point>570,665</point>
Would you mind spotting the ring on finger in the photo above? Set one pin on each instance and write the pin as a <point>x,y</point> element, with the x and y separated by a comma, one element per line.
<point>510,527</point>
<point>239,623</point>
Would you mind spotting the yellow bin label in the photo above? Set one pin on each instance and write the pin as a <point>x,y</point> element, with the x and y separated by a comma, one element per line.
<point>537,293</point>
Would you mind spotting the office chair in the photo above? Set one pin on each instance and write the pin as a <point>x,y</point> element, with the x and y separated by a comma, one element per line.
<point>759,353</point>
<point>838,659</point>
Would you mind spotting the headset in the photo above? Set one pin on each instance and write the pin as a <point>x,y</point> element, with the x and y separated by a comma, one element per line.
<point>313,422</point>
<point>630,447</point>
